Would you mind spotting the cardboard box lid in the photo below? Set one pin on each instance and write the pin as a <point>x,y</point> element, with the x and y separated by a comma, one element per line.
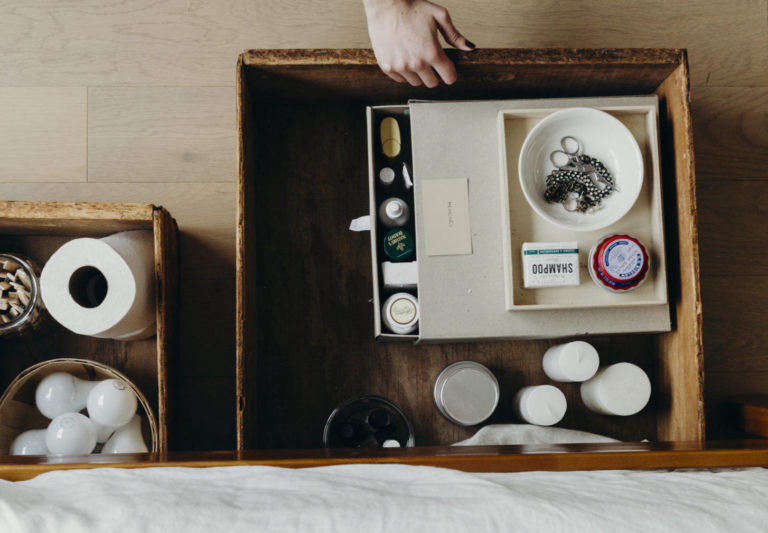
<point>462,297</point>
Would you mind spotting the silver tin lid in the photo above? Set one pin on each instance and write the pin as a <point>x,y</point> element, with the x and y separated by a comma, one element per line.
<point>466,393</point>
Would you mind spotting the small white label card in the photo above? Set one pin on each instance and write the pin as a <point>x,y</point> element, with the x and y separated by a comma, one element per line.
<point>445,206</point>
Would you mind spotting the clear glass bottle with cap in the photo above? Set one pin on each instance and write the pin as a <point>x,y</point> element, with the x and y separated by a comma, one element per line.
<point>394,212</point>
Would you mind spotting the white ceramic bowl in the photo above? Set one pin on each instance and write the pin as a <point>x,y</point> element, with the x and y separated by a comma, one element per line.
<point>600,135</point>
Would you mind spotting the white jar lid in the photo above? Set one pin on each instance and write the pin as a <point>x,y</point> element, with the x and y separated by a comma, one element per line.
<point>400,313</point>
<point>394,209</point>
<point>386,175</point>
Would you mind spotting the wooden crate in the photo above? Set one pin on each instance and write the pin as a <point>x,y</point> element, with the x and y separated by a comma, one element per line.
<point>304,339</point>
<point>37,229</point>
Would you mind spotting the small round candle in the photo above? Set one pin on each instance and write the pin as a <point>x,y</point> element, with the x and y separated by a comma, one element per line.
<point>621,389</point>
<point>542,405</point>
<point>571,362</point>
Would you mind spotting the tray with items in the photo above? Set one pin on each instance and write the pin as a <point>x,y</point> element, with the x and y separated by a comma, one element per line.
<point>621,134</point>
<point>583,236</point>
<point>100,282</point>
<point>309,291</point>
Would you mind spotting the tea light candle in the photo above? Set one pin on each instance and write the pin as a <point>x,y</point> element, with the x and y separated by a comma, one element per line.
<point>621,389</point>
<point>572,361</point>
<point>542,405</point>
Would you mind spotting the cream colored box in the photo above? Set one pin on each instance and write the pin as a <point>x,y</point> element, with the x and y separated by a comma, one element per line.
<point>475,296</point>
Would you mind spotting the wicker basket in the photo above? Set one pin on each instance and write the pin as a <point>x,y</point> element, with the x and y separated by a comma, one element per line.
<point>18,412</point>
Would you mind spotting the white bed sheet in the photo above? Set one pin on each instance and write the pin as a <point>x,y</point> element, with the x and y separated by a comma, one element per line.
<point>370,498</point>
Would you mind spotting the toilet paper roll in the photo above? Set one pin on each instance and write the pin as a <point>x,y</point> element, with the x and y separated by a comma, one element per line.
<point>103,287</point>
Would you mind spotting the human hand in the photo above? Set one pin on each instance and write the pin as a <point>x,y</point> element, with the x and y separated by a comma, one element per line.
<point>404,39</point>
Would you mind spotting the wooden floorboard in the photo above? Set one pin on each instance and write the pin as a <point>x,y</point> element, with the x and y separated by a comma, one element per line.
<point>137,97</point>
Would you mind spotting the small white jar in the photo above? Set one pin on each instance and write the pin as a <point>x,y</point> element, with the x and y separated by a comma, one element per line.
<point>621,389</point>
<point>386,176</point>
<point>542,405</point>
<point>400,313</point>
<point>571,362</point>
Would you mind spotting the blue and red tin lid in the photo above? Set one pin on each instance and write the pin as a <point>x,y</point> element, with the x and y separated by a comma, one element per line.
<point>619,263</point>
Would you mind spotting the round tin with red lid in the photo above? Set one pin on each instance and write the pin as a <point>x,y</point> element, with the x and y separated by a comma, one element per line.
<point>619,263</point>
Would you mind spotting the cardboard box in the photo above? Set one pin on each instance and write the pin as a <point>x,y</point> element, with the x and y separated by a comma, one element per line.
<point>475,292</point>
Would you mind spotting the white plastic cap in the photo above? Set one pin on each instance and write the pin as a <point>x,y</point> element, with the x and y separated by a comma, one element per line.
<point>394,209</point>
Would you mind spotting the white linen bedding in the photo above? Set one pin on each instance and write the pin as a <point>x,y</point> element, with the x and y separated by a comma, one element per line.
<point>370,498</point>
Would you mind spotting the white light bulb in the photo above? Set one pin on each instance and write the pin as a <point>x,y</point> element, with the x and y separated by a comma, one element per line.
<point>102,432</point>
<point>71,434</point>
<point>31,442</point>
<point>111,403</point>
<point>127,439</point>
<point>60,393</point>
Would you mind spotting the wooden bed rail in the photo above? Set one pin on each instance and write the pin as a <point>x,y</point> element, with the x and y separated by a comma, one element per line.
<point>603,456</point>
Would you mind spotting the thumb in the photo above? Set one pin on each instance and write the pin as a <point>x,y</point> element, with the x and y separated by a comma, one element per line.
<point>449,31</point>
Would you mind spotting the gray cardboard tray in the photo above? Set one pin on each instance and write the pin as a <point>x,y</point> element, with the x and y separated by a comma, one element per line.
<point>466,297</point>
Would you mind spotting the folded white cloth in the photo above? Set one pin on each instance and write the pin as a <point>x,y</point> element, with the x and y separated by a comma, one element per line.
<point>501,434</point>
<point>382,498</point>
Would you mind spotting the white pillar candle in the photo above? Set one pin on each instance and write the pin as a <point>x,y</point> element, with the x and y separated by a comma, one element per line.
<point>543,405</point>
<point>622,389</point>
<point>572,361</point>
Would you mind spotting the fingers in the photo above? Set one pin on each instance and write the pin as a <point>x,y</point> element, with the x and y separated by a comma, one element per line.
<point>394,75</point>
<point>428,76</point>
<point>411,77</point>
<point>444,67</point>
<point>448,30</point>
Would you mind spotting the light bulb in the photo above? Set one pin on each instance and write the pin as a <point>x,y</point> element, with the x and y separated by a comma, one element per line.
<point>71,434</point>
<point>60,393</point>
<point>31,442</point>
<point>102,432</point>
<point>127,439</point>
<point>111,403</point>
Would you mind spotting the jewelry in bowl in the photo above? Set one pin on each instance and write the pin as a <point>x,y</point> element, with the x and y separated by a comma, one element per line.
<point>608,142</point>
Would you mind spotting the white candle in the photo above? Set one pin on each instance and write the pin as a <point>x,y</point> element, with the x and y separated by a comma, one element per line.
<point>622,389</point>
<point>543,405</point>
<point>570,362</point>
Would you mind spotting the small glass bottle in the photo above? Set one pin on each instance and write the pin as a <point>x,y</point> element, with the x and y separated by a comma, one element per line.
<point>394,212</point>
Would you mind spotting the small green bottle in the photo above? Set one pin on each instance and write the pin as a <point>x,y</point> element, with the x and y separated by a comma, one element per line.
<point>398,244</point>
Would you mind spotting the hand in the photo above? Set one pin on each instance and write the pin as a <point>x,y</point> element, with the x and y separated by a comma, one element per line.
<point>405,42</point>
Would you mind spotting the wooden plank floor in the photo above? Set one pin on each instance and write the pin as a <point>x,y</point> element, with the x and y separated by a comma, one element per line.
<point>133,100</point>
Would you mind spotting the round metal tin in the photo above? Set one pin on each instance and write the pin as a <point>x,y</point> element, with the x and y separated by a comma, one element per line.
<point>466,393</point>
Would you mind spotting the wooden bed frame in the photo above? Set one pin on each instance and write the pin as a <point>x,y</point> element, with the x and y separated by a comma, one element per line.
<point>751,414</point>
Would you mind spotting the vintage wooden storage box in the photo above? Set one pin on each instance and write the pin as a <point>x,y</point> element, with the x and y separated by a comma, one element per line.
<point>304,336</point>
<point>36,230</point>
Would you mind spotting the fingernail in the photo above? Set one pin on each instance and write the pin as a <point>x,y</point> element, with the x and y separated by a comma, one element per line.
<point>471,44</point>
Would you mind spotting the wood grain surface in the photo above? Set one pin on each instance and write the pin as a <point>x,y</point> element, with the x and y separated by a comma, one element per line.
<point>68,50</point>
